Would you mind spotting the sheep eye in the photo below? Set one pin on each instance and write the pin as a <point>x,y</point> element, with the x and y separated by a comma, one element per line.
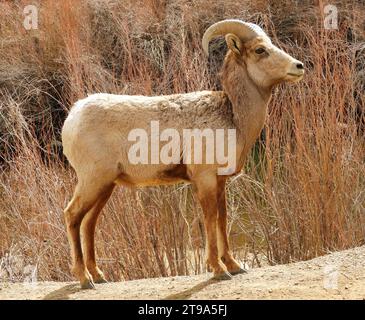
<point>260,50</point>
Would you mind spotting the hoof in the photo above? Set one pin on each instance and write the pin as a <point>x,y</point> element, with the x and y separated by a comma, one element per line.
<point>100,281</point>
<point>87,285</point>
<point>239,271</point>
<point>222,276</point>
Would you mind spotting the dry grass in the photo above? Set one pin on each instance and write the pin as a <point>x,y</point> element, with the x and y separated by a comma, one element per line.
<point>301,195</point>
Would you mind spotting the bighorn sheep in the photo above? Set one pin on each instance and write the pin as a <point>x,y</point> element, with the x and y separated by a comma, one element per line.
<point>95,141</point>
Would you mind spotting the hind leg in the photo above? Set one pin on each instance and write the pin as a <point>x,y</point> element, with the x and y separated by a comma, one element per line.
<point>85,196</point>
<point>88,235</point>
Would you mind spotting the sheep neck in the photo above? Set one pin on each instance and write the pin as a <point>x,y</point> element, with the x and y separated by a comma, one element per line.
<point>249,102</point>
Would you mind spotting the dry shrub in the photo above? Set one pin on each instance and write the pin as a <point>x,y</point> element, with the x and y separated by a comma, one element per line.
<point>301,194</point>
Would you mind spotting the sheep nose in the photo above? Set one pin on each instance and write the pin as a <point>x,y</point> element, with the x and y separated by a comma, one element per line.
<point>300,65</point>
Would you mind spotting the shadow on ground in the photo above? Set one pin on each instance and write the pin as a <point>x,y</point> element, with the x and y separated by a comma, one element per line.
<point>63,293</point>
<point>186,294</point>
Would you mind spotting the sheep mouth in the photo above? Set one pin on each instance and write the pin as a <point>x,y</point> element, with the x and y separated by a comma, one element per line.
<point>295,74</point>
<point>294,77</point>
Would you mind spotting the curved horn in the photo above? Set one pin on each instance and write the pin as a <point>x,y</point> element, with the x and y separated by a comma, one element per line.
<point>244,30</point>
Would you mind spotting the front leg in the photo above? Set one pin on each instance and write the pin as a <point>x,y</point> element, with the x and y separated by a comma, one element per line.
<point>206,190</point>
<point>224,251</point>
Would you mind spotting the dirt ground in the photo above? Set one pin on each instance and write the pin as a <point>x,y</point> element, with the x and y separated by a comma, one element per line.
<point>339,275</point>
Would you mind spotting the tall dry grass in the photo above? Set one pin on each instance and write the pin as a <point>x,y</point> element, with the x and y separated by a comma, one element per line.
<point>301,194</point>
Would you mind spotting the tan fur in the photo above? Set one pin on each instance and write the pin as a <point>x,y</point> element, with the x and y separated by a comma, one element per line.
<point>95,142</point>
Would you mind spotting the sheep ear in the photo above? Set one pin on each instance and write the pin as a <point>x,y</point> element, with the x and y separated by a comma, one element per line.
<point>234,43</point>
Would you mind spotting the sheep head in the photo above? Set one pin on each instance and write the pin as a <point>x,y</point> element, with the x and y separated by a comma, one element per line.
<point>265,63</point>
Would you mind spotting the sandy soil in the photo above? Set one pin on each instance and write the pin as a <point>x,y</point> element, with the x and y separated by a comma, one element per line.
<point>340,275</point>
